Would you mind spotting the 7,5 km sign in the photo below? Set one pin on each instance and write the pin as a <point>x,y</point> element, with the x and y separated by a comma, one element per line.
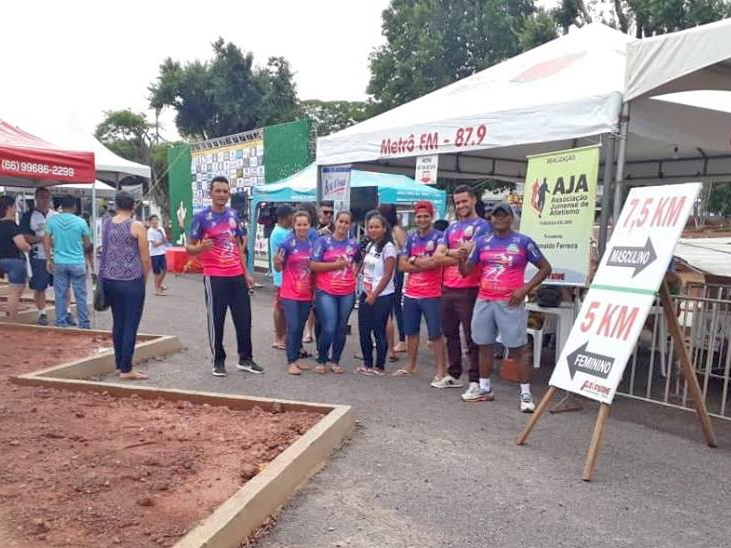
<point>615,308</point>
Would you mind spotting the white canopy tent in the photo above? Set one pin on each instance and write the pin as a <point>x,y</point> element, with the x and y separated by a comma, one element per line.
<point>564,94</point>
<point>102,189</point>
<point>110,167</point>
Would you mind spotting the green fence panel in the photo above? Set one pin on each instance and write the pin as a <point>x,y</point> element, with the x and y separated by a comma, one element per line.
<point>288,148</point>
<point>181,191</point>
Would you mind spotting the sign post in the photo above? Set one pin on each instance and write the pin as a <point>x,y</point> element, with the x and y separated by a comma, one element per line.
<point>613,313</point>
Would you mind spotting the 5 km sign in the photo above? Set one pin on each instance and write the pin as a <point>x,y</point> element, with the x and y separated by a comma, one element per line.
<point>637,257</point>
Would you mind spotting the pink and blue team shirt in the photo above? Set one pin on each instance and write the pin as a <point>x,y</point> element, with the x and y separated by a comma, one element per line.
<point>296,275</point>
<point>426,284</point>
<point>224,229</point>
<point>502,262</point>
<point>327,250</point>
<point>457,233</point>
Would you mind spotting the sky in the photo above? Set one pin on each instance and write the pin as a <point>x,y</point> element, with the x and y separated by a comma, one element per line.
<point>67,62</point>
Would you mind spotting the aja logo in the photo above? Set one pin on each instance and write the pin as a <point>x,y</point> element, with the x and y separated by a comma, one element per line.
<point>539,189</point>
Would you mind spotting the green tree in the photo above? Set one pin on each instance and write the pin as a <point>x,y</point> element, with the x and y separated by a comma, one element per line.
<point>129,135</point>
<point>332,116</point>
<point>225,95</point>
<point>642,18</point>
<point>432,43</point>
<point>719,201</point>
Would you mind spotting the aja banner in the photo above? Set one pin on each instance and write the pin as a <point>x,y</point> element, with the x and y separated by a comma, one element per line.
<point>558,210</point>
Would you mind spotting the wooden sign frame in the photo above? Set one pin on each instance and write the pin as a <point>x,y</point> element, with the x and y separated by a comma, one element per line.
<point>686,368</point>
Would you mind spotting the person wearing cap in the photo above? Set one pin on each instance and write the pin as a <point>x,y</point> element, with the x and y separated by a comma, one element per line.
<point>423,290</point>
<point>501,259</point>
<point>283,215</point>
<point>459,292</point>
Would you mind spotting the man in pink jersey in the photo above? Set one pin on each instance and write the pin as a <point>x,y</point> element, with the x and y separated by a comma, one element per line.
<point>216,236</point>
<point>460,292</point>
<point>501,259</point>
<point>423,290</point>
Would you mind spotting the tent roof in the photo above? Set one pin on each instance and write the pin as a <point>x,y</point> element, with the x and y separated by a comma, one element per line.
<point>568,88</point>
<point>696,58</point>
<point>564,94</point>
<point>27,160</point>
<point>103,190</point>
<point>109,166</point>
<point>711,255</point>
<point>305,181</point>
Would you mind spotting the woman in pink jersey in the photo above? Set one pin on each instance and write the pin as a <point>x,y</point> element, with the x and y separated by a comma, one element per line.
<point>292,259</point>
<point>335,259</point>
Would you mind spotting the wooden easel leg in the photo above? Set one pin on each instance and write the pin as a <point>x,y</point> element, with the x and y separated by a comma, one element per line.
<point>596,441</point>
<point>537,415</point>
<point>566,404</point>
<point>686,365</point>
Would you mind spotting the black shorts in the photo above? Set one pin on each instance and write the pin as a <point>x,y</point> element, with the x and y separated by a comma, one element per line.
<point>158,264</point>
<point>41,279</point>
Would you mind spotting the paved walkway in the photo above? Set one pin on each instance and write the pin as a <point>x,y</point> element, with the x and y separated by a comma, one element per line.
<point>425,470</point>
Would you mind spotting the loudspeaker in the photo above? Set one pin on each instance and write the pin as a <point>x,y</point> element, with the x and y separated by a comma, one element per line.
<point>362,200</point>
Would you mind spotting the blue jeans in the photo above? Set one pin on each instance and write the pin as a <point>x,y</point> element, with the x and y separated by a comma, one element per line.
<point>333,312</point>
<point>372,319</point>
<point>127,299</point>
<point>74,276</point>
<point>295,316</point>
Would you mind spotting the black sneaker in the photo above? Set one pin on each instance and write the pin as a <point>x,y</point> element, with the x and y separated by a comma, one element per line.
<point>42,319</point>
<point>219,370</point>
<point>250,365</point>
<point>70,320</point>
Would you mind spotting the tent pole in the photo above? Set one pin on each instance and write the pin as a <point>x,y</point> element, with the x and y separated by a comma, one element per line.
<point>606,192</point>
<point>623,125</point>
<point>93,239</point>
<point>318,190</point>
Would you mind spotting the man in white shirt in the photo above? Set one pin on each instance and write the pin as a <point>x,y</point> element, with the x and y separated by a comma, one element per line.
<point>33,226</point>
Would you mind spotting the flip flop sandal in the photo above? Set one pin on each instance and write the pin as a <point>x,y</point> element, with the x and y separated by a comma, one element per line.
<point>363,371</point>
<point>403,372</point>
<point>294,370</point>
<point>337,369</point>
<point>279,346</point>
<point>303,354</point>
<point>378,372</point>
<point>303,366</point>
<point>393,358</point>
<point>320,369</point>
<point>133,375</point>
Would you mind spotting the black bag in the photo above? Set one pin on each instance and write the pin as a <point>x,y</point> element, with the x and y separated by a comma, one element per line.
<point>548,296</point>
<point>101,302</point>
<point>100,296</point>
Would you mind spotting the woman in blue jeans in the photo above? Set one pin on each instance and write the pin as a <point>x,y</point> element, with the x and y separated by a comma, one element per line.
<point>124,267</point>
<point>376,299</point>
<point>12,260</point>
<point>335,259</point>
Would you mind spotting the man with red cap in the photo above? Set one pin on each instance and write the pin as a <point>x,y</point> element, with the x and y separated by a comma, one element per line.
<point>423,290</point>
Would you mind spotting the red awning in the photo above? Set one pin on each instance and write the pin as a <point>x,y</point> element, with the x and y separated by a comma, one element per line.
<point>25,158</point>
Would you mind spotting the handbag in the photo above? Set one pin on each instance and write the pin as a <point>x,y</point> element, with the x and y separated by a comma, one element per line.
<point>101,302</point>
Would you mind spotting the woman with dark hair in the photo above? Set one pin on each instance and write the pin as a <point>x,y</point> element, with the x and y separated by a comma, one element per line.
<point>124,267</point>
<point>158,241</point>
<point>376,298</point>
<point>398,237</point>
<point>292,260</point>
<point>12,260</point>
<point>311,327</point>
<point>335,258</point>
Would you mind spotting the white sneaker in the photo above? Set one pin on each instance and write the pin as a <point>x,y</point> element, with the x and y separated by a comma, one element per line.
<point>475,393</point>
<point>527,405</point>
<point>448,381</point>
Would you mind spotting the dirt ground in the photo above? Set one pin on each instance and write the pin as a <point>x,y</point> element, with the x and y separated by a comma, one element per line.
<point>30,350</point>
<point>92,470</point>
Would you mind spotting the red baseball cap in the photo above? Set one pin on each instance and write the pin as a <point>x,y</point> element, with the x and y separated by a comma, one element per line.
<point>424,204</point>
